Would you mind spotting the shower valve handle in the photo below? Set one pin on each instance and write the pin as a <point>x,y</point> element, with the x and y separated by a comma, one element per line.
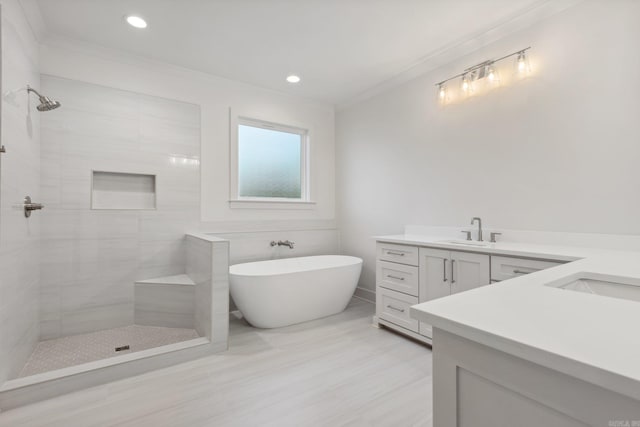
<point>29,206</point>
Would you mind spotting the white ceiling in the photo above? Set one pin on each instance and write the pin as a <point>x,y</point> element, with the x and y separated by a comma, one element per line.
<point>340,48</point>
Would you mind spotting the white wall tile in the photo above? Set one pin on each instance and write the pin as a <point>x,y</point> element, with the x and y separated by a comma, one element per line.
<point>19,176</point>
<point>91,258</point>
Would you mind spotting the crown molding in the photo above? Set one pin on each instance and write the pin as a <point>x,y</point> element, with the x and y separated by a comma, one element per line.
<point>521,20</point>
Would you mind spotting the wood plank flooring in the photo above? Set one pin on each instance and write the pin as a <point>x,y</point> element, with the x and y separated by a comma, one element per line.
<point>336,371</point>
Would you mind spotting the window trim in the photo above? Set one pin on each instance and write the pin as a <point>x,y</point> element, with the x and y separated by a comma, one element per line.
<point>236,201</point>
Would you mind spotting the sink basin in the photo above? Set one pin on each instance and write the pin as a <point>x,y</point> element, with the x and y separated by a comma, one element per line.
<point>608,286</point>
<point>466,243</point>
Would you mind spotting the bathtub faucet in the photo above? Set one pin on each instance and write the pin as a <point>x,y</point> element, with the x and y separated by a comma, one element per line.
<point>281,243</point>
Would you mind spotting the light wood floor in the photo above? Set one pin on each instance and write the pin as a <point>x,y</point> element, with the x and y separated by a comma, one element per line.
<point>337,371</point>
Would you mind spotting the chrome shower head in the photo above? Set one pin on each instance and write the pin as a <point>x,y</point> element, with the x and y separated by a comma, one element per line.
<point>46,103</point>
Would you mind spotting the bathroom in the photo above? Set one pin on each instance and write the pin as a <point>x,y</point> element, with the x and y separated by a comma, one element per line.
<point>159,275</point>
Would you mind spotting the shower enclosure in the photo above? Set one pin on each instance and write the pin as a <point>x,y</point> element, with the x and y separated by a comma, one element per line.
<point>98,278</point>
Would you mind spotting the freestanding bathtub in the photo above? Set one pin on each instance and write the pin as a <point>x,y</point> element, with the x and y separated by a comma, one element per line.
<point>282,292</point>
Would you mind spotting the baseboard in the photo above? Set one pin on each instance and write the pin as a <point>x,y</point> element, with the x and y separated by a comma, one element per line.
<point>365,294</point>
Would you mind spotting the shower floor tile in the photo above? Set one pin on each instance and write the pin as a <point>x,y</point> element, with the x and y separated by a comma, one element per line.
<point>77,349</point>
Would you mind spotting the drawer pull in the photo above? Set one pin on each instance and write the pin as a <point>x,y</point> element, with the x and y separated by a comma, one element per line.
<point>401,310</point>
<point>521,272</point>
<point>395,277</point>
<point>395,253</point>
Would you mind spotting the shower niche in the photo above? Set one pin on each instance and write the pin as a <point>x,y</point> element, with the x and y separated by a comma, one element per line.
<point>120,190</point>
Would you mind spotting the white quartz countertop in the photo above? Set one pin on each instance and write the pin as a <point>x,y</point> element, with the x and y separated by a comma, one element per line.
<point>592,337</point>
<point>527,250</point>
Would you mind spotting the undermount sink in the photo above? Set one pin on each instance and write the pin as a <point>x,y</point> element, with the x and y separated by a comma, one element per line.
<point>608,286</point>
<point>465,243</point>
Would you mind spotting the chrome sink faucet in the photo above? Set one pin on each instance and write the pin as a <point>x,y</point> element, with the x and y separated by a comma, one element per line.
<point>474,219</point>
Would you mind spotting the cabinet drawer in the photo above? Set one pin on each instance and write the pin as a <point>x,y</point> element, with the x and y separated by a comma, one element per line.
<point>398,253</point>
<point>398,277</point>
<point>394,306</point>
<point>503,268</point>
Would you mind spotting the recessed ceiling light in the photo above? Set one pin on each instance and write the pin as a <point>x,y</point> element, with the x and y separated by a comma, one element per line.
<point>136,21</point>
<point>293,78</point>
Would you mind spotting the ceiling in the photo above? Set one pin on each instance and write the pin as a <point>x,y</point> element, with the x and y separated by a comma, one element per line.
<point>340,48</point>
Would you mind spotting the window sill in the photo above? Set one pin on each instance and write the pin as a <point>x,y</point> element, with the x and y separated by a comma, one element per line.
<point>272,204</point>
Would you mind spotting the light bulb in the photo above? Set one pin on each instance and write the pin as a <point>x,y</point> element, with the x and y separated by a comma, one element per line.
<point>442,92</point>
<point>522,63</point>
<point>492,74</point>
<point>136,21</point>
<point>465,83</point>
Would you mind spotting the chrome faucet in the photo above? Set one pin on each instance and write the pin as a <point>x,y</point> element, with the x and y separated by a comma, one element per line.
<point>287,243</point>
<point>474,219</point>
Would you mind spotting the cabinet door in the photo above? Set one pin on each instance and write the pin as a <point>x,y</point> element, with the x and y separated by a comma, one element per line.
<point>469,271</point>
<point>434,277</point>
<point>435,274</point>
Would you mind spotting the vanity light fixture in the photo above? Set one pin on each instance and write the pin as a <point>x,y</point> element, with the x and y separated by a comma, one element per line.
<point>136,21</point>
<point>484,70</point>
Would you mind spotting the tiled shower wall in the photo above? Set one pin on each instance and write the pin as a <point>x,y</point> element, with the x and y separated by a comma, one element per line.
<point>91,258</point>
<point>19,176</point>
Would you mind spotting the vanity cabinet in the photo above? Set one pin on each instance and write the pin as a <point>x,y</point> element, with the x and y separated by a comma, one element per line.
<point>443,273</point>
<point>408,274</point>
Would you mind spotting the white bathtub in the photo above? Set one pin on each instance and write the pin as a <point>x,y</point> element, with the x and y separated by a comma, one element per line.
<point>282,292</point>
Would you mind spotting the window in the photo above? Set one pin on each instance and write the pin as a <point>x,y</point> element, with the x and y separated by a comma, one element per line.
<point>271,163</point>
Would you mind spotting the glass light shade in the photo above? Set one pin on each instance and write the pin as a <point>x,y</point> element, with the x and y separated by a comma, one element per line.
<point>443,94</point>
<point>466,84</point>
<point>492,76</point>
<point>522,67</point>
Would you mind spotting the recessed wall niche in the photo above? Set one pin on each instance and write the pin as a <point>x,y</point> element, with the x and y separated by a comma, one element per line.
<point>118,190</point>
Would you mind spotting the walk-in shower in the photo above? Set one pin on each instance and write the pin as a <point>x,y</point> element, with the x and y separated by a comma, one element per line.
<point>115,287</point>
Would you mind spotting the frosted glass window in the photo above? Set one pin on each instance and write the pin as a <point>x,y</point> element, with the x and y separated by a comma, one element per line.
<point>270,163</point>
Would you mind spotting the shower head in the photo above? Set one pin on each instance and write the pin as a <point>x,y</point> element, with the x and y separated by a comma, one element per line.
<point>46,103</point>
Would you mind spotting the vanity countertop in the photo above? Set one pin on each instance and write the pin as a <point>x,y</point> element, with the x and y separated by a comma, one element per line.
<point>527,250</point>
<point>591,337</point>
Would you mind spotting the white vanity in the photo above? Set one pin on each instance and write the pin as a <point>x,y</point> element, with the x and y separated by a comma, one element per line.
<point>560,347</point>
<point>412,270</point>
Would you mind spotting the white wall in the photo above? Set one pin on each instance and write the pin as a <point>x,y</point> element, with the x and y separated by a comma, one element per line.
<point>19,176</point>
<point>558,151</point>
<point>214,96</point>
